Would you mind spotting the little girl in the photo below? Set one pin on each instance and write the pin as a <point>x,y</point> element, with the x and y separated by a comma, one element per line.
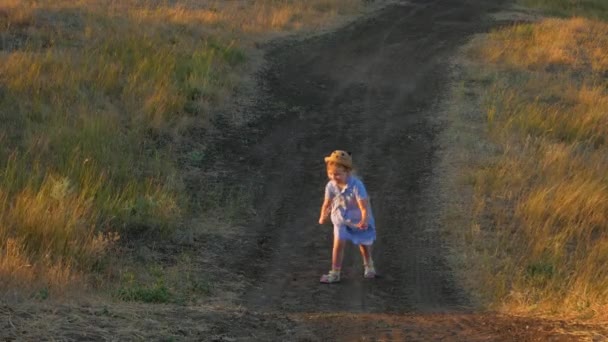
<point>351,214</point>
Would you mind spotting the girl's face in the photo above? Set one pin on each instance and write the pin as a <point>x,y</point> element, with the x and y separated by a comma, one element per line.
<point>337,174</point>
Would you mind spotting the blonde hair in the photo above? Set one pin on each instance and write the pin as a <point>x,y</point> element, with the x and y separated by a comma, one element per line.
<point>335,164</point>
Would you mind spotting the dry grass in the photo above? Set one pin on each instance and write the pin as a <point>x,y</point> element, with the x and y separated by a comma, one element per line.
<point>261,16</point>
<point>92,95</point>
<point>539,241</point>
<point>553,46</point>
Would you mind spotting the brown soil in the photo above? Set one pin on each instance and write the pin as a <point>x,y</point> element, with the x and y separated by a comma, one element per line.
<point>373,88</point>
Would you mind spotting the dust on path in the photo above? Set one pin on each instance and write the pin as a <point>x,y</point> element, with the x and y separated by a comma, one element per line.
<point>371,88</point>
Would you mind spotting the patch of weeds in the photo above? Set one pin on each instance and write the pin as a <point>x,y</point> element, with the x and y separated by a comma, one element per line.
<point>42,294</point>
<point>541,268</point>
<point>157,272</point>
<point>196,157</point>
<point>234,56</point>
<point>136,291</point>
<point>202,287</point>
<point>195,289</point>
<point>158,293</point>
<point>540,272</point>
<point>100,265</point>
<point>193,106</point>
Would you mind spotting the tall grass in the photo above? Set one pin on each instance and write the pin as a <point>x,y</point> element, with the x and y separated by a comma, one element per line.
<point>92,93</point>
<point>541,204</point>
<point>259,16</point>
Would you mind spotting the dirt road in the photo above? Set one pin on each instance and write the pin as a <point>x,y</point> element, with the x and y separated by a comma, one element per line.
<point>370,88</point>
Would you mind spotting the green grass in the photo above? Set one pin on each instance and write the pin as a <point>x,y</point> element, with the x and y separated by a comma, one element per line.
<point>157,293</point>
<point>182,283</point>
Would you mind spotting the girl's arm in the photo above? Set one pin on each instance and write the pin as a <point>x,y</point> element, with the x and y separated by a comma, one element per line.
<point>324,210</point>
<point>362,203</point>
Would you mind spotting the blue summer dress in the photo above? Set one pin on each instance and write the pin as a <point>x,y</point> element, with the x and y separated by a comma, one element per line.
<point>345,212</point>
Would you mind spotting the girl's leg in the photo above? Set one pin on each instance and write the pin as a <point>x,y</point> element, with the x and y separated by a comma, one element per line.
<point>366,255</point>
<point>368,263</point>
<point>337,254</point>
<point>336,262</point>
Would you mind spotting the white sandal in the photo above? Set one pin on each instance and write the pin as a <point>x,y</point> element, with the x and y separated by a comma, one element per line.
<point>370,272</point>
<point>331,277</point>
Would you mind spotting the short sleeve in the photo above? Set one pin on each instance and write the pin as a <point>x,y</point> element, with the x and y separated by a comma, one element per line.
<point>329,193</point>
<point>359,191</point>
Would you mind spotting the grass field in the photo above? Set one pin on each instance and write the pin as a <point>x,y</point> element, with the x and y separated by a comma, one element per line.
<point>539,238</point>
<point>93,94</point>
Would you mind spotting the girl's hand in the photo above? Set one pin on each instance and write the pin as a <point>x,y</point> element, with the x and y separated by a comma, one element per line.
<point>325,210</point>
<point>362,225</point>
<point>363,204</point>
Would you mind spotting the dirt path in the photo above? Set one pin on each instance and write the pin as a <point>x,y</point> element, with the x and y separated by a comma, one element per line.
<point>370,88</point>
